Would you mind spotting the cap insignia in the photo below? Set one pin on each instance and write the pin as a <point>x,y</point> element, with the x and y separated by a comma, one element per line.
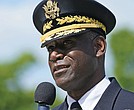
<point>80,19</point>
<point>78,23</point>
<point>51,9</point>
<point>47,26</point>
<point>90,22</point>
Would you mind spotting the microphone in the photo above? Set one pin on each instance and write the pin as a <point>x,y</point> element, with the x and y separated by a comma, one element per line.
<point>45,94</point>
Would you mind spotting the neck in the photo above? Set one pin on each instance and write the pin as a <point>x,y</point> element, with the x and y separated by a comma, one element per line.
<point>77,94</point>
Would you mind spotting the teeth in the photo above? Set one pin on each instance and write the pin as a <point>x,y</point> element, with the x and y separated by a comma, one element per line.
<point>60,67</point>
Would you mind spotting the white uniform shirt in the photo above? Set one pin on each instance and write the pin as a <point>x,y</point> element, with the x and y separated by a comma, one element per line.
<point>89,100</point>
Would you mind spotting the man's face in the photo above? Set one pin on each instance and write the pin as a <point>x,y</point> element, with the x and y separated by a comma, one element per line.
<point>72,61</point>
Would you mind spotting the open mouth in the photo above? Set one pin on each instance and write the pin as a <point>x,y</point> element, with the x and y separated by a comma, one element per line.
<point>60,67</point>
<point>59,70</point>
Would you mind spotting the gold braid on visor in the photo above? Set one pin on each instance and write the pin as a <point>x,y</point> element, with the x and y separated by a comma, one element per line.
<point>79,23</point>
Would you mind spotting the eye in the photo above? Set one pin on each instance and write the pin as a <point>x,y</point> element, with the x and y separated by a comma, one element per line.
<point>68,43</point>
<point>51,48</point>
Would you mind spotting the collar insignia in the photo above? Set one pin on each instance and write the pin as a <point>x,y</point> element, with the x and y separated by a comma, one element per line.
<point>51,9</point>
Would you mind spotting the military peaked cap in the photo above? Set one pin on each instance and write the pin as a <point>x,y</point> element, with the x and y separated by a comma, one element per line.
<point>56,19</point>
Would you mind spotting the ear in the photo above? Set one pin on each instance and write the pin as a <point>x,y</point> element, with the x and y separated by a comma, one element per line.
<point>99,46</point>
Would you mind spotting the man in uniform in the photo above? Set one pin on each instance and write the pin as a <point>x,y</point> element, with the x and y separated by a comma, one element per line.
<point>74,33</point>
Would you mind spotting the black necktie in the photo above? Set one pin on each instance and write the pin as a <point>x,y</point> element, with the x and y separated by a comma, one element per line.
<point>75,106</point>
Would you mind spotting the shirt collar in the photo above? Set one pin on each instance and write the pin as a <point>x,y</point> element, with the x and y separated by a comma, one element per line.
<point>90,99</point>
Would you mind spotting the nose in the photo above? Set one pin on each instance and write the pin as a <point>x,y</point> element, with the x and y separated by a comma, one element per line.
<point>55,56</point>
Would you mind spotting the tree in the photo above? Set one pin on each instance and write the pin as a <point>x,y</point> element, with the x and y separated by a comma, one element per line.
<point>12,96</point>
<point>122,43</point>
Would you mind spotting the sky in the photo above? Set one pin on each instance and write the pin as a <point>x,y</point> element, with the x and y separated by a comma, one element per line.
<point>18,34</point>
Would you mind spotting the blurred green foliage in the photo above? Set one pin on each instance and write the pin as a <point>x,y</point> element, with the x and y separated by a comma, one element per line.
<point>12,96</point>
<point>122,43</point>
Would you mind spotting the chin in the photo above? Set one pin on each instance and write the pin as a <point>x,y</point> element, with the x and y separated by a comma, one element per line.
<point>62,84</point>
